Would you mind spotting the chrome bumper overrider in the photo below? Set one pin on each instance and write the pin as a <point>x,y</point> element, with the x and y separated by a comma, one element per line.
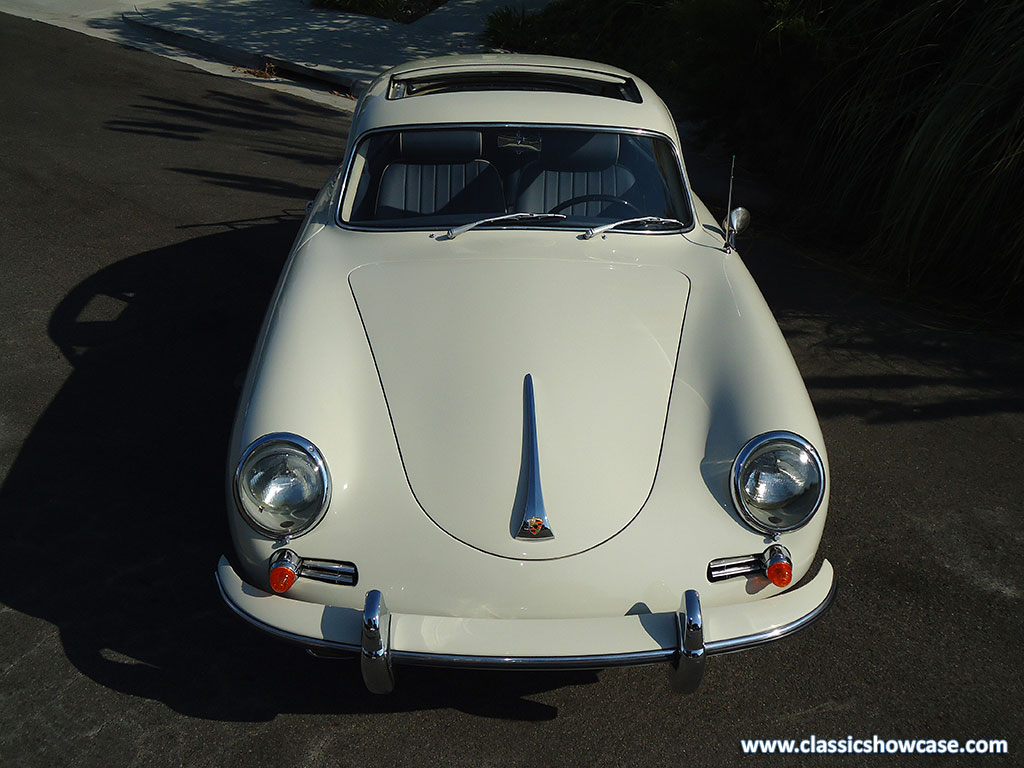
<point>383,640</point>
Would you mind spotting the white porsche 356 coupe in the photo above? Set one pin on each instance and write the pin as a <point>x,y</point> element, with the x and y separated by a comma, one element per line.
<point>516,402</point>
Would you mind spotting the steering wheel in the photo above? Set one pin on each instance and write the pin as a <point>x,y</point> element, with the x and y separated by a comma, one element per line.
<point>594,198</point>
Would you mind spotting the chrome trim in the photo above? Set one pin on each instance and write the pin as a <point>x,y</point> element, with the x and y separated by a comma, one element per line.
<point>737,221</point>
<point>288,559</point>
<point>521,216</point>
<point>600,661</point>
<point>728,567</point>
<point>550,663</point>
<point>535,519</point>
<point>689,665</point>
<point>601,230</point>
<point>733,644</point>
<point>331,572</point>
<point>636,658</point>
<point>308,642</point>
<point>593,70</point>
<point>375,656</point>
<point>314,453</point>
<point>398,86</point>
<point>737,467</point>
<point>776,553</point>
<point>724,568</point>
<point>354,145</point>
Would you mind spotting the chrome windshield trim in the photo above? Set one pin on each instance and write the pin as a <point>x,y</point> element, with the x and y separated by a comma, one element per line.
<point>351,154</point>
<point>574,229</point>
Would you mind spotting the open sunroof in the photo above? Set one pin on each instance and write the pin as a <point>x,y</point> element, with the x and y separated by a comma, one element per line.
<point>424,83</point>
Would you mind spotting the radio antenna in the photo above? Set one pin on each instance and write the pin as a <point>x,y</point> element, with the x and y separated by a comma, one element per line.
<point>728,205</point>
<point>727,221</point>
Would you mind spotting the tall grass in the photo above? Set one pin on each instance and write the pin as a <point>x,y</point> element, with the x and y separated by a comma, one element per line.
<point>898,123</point>
<point>925,138</point>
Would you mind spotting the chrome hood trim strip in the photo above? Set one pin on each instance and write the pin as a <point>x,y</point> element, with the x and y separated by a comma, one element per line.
<point>534,523</point>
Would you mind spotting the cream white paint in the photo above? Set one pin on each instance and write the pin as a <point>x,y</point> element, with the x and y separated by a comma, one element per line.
<point>453,341</point>
<point>438,322</point>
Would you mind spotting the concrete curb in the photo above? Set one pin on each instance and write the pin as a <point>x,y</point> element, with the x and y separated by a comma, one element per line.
<point>238,57</point>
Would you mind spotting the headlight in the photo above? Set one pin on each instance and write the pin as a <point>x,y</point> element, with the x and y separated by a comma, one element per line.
<point>281,485</point>
<point>778,482</point>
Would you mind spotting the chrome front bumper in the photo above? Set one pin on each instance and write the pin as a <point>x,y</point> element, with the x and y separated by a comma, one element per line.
<point>383,640</point>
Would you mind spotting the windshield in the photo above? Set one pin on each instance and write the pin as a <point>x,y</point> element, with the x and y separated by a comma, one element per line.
<point>449,177</point>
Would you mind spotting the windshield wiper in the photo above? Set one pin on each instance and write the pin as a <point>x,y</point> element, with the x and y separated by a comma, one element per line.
<point>456,231</point>
<point>645,220</point>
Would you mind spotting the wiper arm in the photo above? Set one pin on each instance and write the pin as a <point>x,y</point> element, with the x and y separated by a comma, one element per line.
<point>648,220</point>
<point>456,231</point>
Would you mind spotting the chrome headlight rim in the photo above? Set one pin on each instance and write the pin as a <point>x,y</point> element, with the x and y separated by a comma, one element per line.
<point>739,463</point>
<point>306,446</point>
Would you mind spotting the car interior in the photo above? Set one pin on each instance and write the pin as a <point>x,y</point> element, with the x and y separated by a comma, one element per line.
<point>443,177</point>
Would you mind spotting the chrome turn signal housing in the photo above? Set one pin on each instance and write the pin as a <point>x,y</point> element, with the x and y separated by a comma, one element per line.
<point>286,567</point>
<point>775,563</point>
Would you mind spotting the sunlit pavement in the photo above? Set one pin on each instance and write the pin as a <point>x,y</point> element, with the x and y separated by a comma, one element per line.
<point>148,207</point>
<point>328,56</point>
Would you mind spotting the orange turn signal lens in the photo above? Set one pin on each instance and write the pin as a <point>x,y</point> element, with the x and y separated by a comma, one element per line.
<point>284,570</point>
<point>281,578</point>
<point>778,565</point>
<point>780,573</point>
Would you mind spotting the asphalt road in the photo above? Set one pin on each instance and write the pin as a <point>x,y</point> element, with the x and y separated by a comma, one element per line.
<point>146,210</point>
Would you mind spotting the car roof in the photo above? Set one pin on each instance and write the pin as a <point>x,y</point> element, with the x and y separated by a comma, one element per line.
<point>510,89</point>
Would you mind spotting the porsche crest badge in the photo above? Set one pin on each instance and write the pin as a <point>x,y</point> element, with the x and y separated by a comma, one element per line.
<point>535,528</point>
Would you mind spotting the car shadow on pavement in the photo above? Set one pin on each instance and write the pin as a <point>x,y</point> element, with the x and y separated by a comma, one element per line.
<point>114,508</point>
<point>883,361</point>
<point>865,351</point>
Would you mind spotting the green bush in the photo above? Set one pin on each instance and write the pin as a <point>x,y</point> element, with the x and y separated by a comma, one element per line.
<point>924,138</point>
<point>899,124</point>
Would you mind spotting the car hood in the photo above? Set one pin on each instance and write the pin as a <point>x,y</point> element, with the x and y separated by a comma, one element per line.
<point>454,341</point>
